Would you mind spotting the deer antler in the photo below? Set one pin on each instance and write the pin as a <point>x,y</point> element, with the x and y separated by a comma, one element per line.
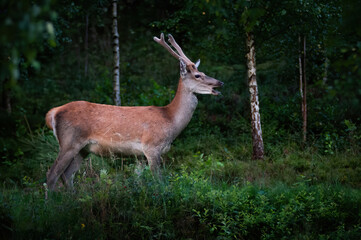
<point>162,42</point>
<point>178,48</point>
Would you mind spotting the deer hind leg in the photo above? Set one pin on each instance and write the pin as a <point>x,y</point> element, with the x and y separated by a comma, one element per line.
<point>65,157</point>
<point>68,175</point>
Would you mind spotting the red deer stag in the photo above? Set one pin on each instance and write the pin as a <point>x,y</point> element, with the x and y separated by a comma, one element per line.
<point>82,127</point>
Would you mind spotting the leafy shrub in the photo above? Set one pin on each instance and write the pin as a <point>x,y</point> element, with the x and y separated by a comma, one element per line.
<point>183,205</point>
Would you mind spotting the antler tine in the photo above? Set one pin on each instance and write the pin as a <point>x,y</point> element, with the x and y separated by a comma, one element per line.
<point>162,42</point>
<point>178,48</point>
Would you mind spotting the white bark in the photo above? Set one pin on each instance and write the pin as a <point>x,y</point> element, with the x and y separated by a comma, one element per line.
<point>116,73</point>
<point>303,84</point>
<point>258,148</point>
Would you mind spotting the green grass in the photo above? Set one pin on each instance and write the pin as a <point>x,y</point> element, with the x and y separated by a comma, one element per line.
<point>210,190</point>
<point>182,205</point>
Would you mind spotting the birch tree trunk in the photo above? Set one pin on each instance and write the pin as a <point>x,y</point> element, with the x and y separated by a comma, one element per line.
<point>258,149</point>
<point>303,85</point>
<point>116,84</point>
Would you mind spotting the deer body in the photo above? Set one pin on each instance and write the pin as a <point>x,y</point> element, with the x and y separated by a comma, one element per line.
<point>81,127</point>
<point>110,131</point>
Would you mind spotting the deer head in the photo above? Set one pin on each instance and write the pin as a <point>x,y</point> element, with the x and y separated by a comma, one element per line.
<point>194,80</point>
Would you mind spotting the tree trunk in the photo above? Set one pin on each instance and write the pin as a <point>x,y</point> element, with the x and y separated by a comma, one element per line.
<point>303,85</point>
<point>325,72</point>
<point>6,96</point>
<point>86,44</point>
<point>300,68</point>
<point>258,149</point>
<point>116,84</point>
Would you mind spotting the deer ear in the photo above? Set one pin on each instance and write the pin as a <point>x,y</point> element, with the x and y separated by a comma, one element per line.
<point>183,68</point>
<point>197,63</point>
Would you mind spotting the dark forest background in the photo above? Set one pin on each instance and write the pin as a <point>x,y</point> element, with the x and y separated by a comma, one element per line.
<point>54,52</point>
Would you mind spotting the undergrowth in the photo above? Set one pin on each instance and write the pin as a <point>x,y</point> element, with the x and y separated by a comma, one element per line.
<point>210,190</point>
<point>180,206</point>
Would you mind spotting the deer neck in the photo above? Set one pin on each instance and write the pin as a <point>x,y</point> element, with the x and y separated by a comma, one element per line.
<point>181,108</point>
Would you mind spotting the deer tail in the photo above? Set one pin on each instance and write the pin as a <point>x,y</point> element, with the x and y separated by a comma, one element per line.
<point>50,120</point>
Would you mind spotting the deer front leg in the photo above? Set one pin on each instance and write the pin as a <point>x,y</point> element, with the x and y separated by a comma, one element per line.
<point>154,161</point>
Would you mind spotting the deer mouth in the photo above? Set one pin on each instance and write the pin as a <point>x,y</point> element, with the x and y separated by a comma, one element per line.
<point>215,92</point>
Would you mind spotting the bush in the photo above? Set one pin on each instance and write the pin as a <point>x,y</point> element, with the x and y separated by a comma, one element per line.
<point>182,205</point>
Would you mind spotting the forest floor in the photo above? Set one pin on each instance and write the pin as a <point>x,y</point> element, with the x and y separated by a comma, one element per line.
<point>209,190</point>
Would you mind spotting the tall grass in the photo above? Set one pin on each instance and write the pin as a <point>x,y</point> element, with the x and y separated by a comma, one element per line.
<point>182,205</point>
<point>210,190</point>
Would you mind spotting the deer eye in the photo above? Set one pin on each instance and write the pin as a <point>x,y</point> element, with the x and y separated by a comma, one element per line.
<point>197,76</point>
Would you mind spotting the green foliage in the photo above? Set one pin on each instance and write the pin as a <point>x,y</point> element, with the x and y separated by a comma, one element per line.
<point>204,193</point>
<point>250,18</point>
<point>255,213</point>
<point>182,205</point>
<point>211,188</point>
<point>21,25</point>
<point>157,95</point>
<point>34,155</point>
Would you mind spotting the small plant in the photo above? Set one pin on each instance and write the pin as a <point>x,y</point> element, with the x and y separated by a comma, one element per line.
<point>330,140</point>
<point>353,132</point>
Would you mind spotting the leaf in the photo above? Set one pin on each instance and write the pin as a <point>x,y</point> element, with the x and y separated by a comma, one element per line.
<point>35,64</point>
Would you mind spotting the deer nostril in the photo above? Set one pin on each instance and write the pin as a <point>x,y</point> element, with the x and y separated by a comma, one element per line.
<point>221,83</point>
